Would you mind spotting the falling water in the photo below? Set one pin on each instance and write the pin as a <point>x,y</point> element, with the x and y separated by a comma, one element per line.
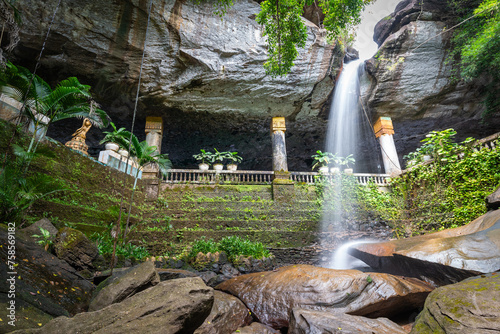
<point>344,122</point>
<point>343,138</point>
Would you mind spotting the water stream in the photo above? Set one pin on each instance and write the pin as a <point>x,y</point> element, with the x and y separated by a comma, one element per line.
<point>344,135</point>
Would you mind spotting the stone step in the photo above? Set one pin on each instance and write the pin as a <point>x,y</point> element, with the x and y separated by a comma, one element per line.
<point>241,205</point>
<point>248,213</point>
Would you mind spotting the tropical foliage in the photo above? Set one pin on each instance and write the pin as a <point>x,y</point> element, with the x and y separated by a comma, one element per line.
<point>233,246</point>
<point>477,44</point>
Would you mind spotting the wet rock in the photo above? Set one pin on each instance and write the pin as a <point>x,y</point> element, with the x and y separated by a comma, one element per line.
<point>441,258</point>
<point>471,306</point>
<point>257,328</point>
<point>272,295</point>
<point>228,313</point>
<point>75,248</point>
<point>315,322</point>
<point>117,288</point>
<point>229,271</point>
<point>43,281</point>
<point>174,306</point>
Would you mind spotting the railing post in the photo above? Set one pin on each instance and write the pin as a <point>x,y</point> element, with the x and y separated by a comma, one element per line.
<point>154,134</point>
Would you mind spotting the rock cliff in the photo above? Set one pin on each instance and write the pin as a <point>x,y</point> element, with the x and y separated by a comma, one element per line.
<point>203,74</point>
<point>411,80</point>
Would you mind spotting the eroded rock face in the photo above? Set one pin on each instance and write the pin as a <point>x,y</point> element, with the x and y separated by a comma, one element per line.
<point>411,79</point>
<point>443,257</point>
<point>272,295</point>
<point>314,322</point>
<point>174,306</point>
<point>471,306</point>
<point>200,72</point>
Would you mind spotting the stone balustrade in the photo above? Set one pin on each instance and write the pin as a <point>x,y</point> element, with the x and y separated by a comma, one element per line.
<point>196,176</point>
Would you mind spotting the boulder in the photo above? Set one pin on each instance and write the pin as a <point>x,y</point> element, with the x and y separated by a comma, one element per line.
<point>316,322</point>
<point>471,306</point>
<point>75,248</point>
<point>35,229</point>
<point>117,288</point>
<point>493,200</point>
<point>227,315</point>
<point>271,296</point>
<point>256,328</point>
<point>43,281</point>
<point>174,306</point>
<point>444,257</point>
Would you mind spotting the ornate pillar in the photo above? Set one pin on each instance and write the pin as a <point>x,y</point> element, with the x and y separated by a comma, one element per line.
<point>154,132</point>
<point>384,131</point>
<point>154,135</point>
<point>278,129</point>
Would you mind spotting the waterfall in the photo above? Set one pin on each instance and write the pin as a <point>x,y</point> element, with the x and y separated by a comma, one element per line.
<point>344,135</point>
<point>344,121</point>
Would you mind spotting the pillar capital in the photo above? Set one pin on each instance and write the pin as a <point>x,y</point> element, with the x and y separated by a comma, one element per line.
<point>278,124</point>
<point>154,124</point>
<point>383,126</point>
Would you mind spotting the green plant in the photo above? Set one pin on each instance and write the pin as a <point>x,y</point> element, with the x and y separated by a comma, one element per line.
<point>233,157</point>
<point>347,161</point>
<point>323,159</point>
<point>217,157</point>
<point>45,238</point>
<point>118,136</point>
<point>204,246</point>
<point>204,157</point>
<point>235,246</point>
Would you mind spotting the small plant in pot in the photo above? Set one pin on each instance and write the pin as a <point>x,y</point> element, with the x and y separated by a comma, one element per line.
<point>116,139</point>
<point>322,160</point>
<point>234,158</point>
<point>347,161</point>
<point>217,158</point>
<point>204,159</point>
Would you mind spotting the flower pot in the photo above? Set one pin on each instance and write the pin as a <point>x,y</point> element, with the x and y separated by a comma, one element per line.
<point>123,152</point>
<point>324,169</point>
<point>334,170</point>
<point>111,146</point>
<point>218,166</point>
<point>203,166</point>
<point>232,167</point>
<point>348,171</point>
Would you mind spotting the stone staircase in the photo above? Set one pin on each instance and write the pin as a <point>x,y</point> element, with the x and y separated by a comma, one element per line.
<point>188,212</point>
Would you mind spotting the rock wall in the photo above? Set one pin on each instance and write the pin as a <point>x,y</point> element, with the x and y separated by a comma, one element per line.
<point>411,80</point>
<point>203,74</point>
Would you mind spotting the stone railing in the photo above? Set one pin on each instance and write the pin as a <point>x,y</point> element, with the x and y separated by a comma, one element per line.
<point>381,180</point>
<point>196,176</point>
<point>212,176</point>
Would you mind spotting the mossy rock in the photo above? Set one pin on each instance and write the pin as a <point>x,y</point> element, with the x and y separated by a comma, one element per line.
<point>75,248</point>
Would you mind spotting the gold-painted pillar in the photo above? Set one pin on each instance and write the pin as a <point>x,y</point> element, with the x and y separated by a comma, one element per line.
<point>154,132</point>
<point>384,131</point>
<point>154,135</point>
<point>278,129</point>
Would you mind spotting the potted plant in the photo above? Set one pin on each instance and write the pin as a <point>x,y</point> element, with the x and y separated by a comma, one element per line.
<point>346,162</point>
<point>234,158</point>
<point>204,159</point>
<point>322,159</point>
<point>116,139</point>
<point>217,158</point>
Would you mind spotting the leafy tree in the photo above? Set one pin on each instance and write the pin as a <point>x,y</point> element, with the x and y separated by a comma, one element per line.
<point>477,44</point>
<point>286,31</point>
